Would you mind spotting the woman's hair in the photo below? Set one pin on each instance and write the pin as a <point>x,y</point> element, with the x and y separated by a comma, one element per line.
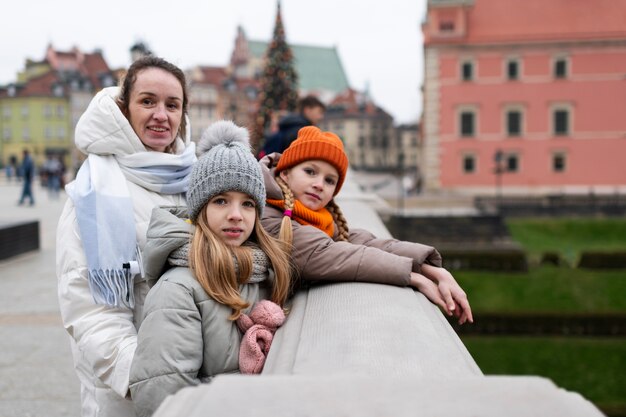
<point>128,82</point>
<point>286,230</point>
<point>211,260</point>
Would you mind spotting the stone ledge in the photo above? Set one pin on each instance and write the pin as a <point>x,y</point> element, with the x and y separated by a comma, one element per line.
<point>17,238</point>
<point>363,396</point>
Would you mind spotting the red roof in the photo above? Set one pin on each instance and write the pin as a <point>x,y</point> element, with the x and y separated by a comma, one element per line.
<point>353,102</point>
<point>95,65</point>
<point>90,65</point>
<point>40,86</point>
<point>212,75</point>
<point>496,21</point>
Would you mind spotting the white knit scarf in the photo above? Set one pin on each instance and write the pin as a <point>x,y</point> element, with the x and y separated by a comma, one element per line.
<point>104,211</point>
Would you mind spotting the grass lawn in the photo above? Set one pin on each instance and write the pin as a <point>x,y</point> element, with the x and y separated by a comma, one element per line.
<point>593,367</point>
<point>568,236</point>
<point>546,289</point>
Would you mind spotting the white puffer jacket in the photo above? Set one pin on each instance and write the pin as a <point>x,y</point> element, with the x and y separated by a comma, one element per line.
<point>103,338</point>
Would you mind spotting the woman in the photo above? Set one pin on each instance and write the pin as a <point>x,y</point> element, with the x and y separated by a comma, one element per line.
<point>139,156</point>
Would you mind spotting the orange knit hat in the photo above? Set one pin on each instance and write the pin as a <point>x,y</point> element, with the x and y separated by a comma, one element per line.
<point>312,143</point>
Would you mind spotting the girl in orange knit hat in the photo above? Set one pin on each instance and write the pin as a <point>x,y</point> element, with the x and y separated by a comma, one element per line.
<point>301,184</point>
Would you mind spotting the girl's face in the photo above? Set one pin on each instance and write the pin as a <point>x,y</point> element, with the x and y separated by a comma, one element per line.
<point>155,108</point>
<point>231,217</point>
<point>312,182</point>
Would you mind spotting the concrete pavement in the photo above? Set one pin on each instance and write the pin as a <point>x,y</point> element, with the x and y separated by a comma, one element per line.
<point>36,373</point>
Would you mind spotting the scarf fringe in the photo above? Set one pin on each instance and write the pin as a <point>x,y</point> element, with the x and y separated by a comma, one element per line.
<point>112,287</point>
<point>115,287</point>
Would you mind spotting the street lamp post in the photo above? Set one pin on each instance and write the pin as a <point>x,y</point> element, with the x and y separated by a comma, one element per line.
<point>401,183</point>
<point>498,158</point>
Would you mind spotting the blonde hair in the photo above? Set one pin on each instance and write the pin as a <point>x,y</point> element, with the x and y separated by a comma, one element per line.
<point>211,261</point>
<point>286,229</point>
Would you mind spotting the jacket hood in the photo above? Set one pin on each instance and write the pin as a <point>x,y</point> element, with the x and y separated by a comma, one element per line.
<point>268,169</point>
<point>104,130</point>
<point>293,120</point>
<point>167,232</point>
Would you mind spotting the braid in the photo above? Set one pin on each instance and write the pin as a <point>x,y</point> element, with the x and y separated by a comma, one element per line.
<point>340,219</point>
<point>286,230</point>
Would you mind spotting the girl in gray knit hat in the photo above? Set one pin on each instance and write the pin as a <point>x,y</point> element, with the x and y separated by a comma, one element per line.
<point>219,263</point>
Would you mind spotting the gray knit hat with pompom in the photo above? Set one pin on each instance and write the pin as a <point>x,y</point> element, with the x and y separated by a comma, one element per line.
<point>225,163</point>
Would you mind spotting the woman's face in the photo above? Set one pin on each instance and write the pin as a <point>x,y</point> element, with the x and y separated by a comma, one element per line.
<point>155,108</point>
<point>231,217</point>
<point>312,182</point>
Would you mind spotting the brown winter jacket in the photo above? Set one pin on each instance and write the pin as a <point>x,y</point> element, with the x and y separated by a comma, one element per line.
<point>364,258</point>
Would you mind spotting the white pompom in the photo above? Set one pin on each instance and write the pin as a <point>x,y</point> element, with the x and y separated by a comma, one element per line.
<point>223,132</point>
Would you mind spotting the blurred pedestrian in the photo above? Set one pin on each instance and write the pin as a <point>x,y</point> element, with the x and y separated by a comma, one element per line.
<point>53,170</point>
<point>27,170</point>
<point>310,113</point>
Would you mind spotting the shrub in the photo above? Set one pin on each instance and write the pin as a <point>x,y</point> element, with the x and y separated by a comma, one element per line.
<point>551,258</point>
<point>602,260</point>
<point>513,260</point>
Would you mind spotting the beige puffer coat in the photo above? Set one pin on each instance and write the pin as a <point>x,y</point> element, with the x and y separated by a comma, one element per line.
<point>364,258</point>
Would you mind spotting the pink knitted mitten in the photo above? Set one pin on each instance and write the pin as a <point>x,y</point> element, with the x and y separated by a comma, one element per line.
<point>259,328</point>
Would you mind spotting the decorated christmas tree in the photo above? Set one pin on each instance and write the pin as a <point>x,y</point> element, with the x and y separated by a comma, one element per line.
<point>279,81</point>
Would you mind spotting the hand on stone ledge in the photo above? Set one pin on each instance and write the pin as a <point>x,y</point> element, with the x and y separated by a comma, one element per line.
<point>450,296</point>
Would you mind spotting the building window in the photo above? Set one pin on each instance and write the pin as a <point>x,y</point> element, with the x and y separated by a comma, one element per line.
<point>467,71</point>
<point>108,81</point>
<point>560,67</point>
<point>512,69</point>
<point>559,162</point>
<point>6,134</point>
<point>446,26</point>
<point>512,163</point>
<point>60,111</point>
<point>61,132</point>
<point>26,134</point>
<point>469,164</point>
<point>6,112</point>
<point>561,122</point>
<point>47,132</point>
<point>57,90</point>
<point>47,110</point>
<point>251,93</point>
<point>514,123</point>
<point>467,123</point>
<point>24,111</point>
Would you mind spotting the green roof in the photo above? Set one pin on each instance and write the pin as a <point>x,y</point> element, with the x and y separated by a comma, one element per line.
<point>318,68</point>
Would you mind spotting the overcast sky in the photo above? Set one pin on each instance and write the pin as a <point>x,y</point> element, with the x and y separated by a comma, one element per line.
<point>379,42</point>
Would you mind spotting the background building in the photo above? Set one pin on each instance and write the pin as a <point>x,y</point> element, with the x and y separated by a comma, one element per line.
<point>205,93</point>
<point>366,129</point>
<point>40,110</point>
<point>230,92</point>
<point>539,84</point>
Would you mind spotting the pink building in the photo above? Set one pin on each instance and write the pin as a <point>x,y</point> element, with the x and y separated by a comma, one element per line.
<point>541,83</point>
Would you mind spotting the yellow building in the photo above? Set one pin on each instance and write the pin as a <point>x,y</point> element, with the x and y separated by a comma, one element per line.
<point>36,116</point>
